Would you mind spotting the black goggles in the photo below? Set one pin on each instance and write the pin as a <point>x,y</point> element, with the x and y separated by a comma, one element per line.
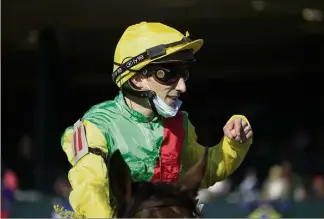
<point>167,73</point>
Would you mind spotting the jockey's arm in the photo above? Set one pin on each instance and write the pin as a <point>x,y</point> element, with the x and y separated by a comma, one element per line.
<point>224,158</point>
<point>88,177</point>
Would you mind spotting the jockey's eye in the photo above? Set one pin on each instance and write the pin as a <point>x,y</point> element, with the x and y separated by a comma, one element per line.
<point>168,74</point>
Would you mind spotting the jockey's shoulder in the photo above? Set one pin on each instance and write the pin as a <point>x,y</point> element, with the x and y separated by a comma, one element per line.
<point>102,112</point>
<point>100,115</point>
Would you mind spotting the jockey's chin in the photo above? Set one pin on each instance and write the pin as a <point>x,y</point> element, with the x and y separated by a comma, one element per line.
<point>169,93</point>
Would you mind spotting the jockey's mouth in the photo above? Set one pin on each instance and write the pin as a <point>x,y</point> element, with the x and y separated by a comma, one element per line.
<point>172,99</point>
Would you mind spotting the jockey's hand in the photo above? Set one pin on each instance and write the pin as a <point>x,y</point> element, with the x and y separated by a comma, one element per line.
<point>238,130</point>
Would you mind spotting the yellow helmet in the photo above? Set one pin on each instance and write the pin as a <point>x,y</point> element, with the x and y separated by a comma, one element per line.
<point>144,43</point>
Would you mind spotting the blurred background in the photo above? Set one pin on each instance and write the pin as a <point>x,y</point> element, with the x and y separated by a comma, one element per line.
<point>261,58</point>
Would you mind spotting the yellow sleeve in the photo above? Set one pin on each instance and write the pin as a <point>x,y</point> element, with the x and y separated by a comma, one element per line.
<point>88,177</point>
<point>224,158</point>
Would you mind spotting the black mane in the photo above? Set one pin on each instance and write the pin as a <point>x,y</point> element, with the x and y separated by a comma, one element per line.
<point>158,192</point>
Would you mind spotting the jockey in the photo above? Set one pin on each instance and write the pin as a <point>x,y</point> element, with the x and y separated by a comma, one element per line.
<point>157,141</point>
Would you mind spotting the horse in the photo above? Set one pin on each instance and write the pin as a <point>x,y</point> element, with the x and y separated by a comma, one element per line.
<point>154,200</point>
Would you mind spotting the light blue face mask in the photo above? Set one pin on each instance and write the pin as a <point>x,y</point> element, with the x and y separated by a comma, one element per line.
<point>164,109</point>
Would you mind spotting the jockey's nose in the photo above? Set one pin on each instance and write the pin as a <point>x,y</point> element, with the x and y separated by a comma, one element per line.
<point>181,86</point>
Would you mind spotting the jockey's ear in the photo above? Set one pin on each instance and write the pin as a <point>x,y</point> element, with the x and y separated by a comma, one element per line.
<point>120,179</point>
<point>192,179</point>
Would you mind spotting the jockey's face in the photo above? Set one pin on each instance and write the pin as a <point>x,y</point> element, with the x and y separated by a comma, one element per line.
<point>166,80</point>
<point>167,92</point>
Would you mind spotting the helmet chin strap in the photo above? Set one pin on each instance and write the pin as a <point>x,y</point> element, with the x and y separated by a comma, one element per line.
<point>142,94</point>
<point>152,105</point>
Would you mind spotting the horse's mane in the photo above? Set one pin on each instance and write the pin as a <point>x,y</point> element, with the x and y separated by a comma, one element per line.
<point>156,192</point>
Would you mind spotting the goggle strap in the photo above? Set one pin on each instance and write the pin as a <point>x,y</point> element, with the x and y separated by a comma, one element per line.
<point>151,53</point>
